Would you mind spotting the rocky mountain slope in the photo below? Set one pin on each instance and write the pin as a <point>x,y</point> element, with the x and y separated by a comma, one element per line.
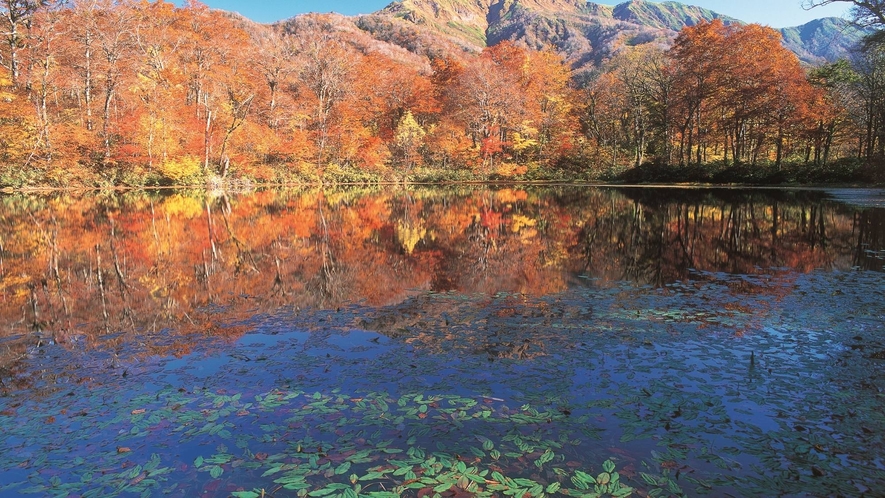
<point>587,32</point>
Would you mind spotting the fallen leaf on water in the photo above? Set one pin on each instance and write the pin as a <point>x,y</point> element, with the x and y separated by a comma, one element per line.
<point>123,449</point>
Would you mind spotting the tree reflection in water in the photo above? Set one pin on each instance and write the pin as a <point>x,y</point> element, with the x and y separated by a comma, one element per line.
<point>168,268</point>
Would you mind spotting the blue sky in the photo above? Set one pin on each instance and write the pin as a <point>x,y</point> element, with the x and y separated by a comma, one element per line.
<point>775,13</point>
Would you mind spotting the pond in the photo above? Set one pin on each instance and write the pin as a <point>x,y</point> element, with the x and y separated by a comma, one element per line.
<point>464,341</point>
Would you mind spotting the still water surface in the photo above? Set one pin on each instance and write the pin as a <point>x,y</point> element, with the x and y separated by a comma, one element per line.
<point>504,341</point>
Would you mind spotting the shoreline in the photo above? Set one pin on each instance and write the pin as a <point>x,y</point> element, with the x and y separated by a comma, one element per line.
<point>485,183</point>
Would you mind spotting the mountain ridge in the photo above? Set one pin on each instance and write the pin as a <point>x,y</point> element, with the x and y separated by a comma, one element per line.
<point>587,32</point>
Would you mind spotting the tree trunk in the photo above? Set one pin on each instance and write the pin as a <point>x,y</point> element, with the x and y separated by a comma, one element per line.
<point>206,144</point>
<point>780,147</point>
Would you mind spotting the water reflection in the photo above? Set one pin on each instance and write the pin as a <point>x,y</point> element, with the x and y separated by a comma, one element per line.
<point>84,270</point>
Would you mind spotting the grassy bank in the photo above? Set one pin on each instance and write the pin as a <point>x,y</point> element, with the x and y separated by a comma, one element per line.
<point>841,172</point>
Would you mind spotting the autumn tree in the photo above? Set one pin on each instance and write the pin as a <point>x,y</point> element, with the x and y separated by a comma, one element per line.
<point>43,71</point>
<point>17,130</point>
<point>488,99</point>
<point>765,94</point>
<point>159,133</point>
<point>388,89</point>
<point>101,54</point>
<point>551,101</point>
<point>277,52</point>
<point>17,16</point>
<point>446,139</point>
<point>836,124</point>
<point>184,93</point>
<point>218,92</point>
<point>737,90</point>
<point>697,54</point>
<point>641,75</point>
<point>605,118</point>
<point>325,73</point>
<point>870,91</point>
<point>408,139</point>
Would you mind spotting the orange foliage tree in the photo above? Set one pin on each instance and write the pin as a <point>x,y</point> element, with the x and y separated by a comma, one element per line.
<point>727,93</point>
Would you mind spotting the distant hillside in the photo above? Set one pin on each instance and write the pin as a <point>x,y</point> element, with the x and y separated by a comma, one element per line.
<point>822,40</point>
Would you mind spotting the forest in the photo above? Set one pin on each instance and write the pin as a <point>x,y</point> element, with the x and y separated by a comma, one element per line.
<point>100,93</point>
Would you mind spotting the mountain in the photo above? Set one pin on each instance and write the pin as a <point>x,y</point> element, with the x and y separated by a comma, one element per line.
<point>667,15</point>
<point>586,33</point>
<point>822,40</point>
<point>483,21</point>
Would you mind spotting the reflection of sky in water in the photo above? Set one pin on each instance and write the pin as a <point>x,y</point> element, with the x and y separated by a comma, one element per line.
<point>271,342</point>
<point>199,368</point>
<point>356,344</point>
<point>860,197</point>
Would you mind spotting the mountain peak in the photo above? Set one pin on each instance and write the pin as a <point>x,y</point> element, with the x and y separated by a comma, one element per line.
<point>666,15</point>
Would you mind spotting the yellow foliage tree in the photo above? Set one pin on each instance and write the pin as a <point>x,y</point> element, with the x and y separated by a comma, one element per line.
<point>183,170</point>
<point>409,137</point>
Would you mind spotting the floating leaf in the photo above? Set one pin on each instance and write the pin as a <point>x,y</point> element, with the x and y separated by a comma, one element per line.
<point>475,478</point>
<point>321,492</point>
<point>443,487</point>
<point>524,483</point>
<point>622,492</point>
<point>648,478</point>
<point>584,477</point>
<point>215,471</point>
